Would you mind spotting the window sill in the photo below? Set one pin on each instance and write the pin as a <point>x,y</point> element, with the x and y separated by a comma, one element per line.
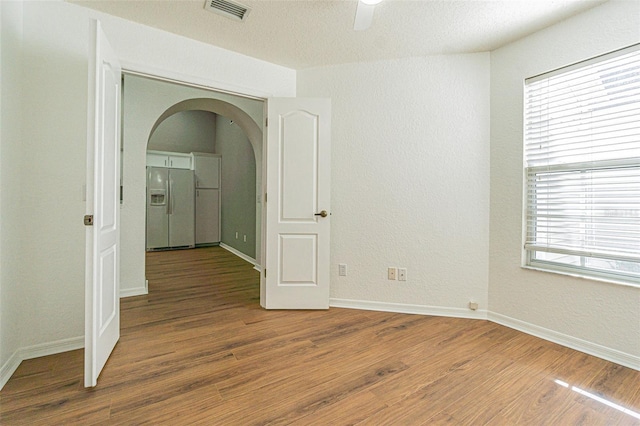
<point>576,274</point>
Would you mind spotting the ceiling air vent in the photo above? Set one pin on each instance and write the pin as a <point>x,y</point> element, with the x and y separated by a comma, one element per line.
<point>227,8</point>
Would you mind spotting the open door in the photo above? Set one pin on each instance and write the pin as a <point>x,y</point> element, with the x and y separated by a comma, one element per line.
<point>102,273</point>
<point>298,151</point>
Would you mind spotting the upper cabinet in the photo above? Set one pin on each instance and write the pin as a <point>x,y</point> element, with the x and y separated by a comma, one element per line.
<point>207,170</point>
<point>172,160</point>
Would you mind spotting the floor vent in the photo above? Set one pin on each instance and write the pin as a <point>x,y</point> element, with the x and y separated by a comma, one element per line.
<point>227,8</point>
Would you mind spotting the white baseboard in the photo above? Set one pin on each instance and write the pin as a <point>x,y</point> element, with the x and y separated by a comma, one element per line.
<point>239,254</point>
<point>136,291</point>
<point>402,308</point>
<point>585,346</point>
<point>9,367</point>
<point>35,351</point>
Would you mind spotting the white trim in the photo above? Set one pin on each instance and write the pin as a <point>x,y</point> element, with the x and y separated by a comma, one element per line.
<point>585,346</point>
<point>239,254</point>
<point>51,348</point>
<point>147,71</point>
<point>257,268</point>
<point>136,291</point>
<point>36,351</point>
<point>402,308</point>
<point>9,367</point>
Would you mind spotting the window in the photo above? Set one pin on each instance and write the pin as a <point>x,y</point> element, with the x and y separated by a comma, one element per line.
<point>582,168</point>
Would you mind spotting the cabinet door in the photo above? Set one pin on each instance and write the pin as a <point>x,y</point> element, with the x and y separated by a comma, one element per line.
<point>180,161</point>
<point>157,160</point>
<point>207,171</point>
<point>207,216</point>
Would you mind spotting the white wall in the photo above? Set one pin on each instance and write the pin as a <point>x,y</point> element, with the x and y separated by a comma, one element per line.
<point>238,187</point>
<point>52,151</point>
<point>10,141</point>
<point>185,131</point>
<point>410,180</point>
<point>144,102</point>
<point>606,317</point>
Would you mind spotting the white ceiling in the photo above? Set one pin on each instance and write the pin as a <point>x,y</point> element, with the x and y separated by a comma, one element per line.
<point>310,33</point>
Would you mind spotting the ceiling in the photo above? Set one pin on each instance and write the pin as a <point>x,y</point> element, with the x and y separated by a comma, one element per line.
<point>311,33</point>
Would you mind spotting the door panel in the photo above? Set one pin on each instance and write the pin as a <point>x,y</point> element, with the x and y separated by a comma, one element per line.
<point>102,304</point>
<point>157,207</point>
<point>181,208</point>
<point>207,216</point>
<point>207,170</point>
<point>299,259</point>
<point>299,152</point>
<point>298,187</point>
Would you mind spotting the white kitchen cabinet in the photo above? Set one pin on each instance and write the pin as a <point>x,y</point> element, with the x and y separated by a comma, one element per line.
<point>172,160</point>
<point>207,170</point>
<point>207,216</point>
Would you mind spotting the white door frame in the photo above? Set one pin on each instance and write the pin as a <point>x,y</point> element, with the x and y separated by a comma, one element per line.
<point>216,86</point>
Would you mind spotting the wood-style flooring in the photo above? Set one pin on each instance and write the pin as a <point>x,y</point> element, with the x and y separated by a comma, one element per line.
<point>199,350</point>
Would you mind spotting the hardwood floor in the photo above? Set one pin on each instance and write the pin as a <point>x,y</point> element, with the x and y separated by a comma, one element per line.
<point>199,350</point>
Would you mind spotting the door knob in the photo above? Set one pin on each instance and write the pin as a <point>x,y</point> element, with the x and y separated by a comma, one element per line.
<point>323,213</point>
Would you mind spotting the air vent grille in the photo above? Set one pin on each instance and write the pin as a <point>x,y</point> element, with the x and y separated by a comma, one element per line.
<point>227,8</point>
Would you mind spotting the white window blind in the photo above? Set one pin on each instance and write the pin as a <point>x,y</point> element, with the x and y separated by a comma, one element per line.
<point>582,166</point>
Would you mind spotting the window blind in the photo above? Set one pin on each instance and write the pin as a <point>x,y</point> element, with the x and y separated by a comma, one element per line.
<point>582,159</point>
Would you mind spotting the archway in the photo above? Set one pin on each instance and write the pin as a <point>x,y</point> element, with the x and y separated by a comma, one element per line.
<point>249,128</point>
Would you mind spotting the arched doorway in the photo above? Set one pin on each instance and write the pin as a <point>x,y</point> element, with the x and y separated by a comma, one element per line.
<point>249,136</point>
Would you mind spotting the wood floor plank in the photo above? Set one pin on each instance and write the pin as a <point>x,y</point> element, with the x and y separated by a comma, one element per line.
<point>198,349</point>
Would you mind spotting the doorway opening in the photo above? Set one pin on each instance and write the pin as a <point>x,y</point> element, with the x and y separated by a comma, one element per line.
<point>160,115</point>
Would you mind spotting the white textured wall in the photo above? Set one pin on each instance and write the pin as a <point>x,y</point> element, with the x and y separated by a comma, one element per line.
<point>410,178</point>
<point>53,152</point>
<point>10,141</point>
<point>238,187</point>
<point>185,131</point>
<point>53,149</point>
<point>596,312</point>
<point>144,101</point>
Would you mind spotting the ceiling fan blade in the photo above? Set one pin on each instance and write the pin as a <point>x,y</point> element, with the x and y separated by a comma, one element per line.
<point>364,16</point>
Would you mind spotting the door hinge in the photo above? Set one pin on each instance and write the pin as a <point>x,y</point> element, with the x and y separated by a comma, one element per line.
<point>265,272</point>
<point>265,197</point>
<point>88,220</point>
<point>266,122</point>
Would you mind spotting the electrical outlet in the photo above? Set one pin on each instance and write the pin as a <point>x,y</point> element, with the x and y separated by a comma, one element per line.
<point>473,306</point>
<point>342,269</point>
<point>391,273</point>
<point>402,274</point>
<point>245,238</point>
<point>236,235</point>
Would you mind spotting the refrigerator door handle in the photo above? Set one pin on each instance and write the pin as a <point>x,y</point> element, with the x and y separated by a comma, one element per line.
<point>169,196</point>
<point>171,192</point>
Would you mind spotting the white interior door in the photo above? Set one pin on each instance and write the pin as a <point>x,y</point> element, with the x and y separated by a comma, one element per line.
<point>296,273</point>
<point>102,303</point>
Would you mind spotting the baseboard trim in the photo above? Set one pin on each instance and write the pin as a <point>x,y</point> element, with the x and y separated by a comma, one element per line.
<point>402,308</point>
<point>9,367</point>
<point>36,351</point>
<point>587,347</point>
<point>578,344</point>
<point>136,291</point>
<point>239,254</point>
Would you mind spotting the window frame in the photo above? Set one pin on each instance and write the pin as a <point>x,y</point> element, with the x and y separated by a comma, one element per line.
<point>530,259</point>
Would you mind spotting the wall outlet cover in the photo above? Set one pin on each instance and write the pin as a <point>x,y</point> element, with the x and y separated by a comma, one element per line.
<point>391,273</point>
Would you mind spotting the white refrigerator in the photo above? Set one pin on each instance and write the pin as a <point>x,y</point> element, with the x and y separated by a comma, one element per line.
<point>207,168</point>
<point>170,208</point>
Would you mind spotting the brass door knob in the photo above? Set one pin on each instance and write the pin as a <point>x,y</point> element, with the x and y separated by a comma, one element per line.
<point>323,213</point>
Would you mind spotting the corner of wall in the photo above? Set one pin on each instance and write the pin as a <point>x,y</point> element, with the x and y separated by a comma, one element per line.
<point>11,42</point>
